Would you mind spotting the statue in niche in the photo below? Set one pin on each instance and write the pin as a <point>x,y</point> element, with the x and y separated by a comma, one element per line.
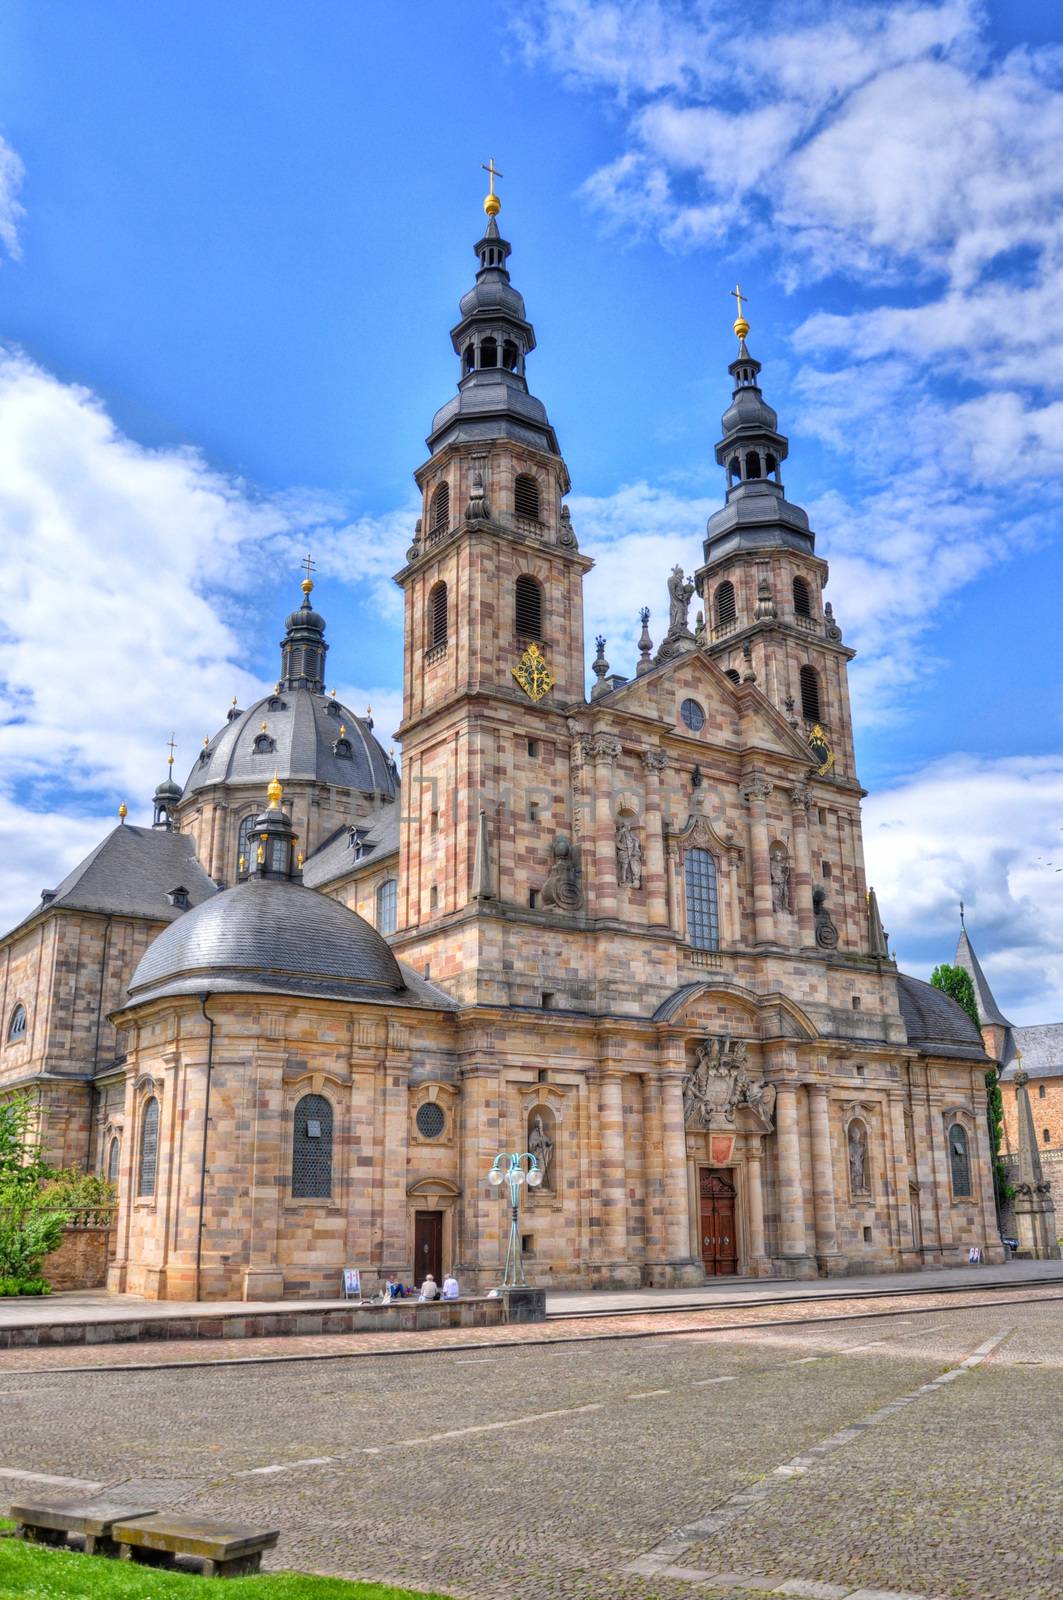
<point>780,879</point>
<point>563,888</point>
<point>541,1146</point>
<point>857,1158</point>
<point>826,932</point>
<point>680,594</point>
<point>628,855</point>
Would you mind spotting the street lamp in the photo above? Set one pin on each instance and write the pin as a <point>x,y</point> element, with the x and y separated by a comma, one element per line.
<point>514,1175</point>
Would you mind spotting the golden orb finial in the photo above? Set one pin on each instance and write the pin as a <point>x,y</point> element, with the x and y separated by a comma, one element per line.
<point>740,325</point>
<point>308,582</point>
<point>274,793</point>
<point>492,203</point>
<point>123,811</point>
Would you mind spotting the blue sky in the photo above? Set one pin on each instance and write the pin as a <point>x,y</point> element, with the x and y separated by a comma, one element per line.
<point>235,237</point>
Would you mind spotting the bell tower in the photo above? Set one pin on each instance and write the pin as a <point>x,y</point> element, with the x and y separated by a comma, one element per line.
<point>762,583</point>
<point>493,586</point>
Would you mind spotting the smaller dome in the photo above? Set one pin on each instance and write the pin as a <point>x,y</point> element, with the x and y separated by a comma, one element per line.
<point>269,936</point>
<point>933,1020</point>
<point>168,790</point>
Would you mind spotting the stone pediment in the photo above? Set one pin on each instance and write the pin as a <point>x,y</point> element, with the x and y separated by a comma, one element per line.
<point>716,1005</point>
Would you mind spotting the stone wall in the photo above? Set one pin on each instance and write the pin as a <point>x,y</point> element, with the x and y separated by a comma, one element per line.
<point>82,1258</point>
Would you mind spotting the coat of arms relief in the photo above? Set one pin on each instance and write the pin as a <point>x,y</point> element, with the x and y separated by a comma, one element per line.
<point>719,1086</point>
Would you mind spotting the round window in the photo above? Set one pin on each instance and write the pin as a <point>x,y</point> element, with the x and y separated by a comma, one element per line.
<point>430,1120</point>
<point>692,715</point>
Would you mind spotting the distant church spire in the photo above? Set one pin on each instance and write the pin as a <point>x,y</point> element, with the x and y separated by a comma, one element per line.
<point>303,648</point>
<point>168,794</point>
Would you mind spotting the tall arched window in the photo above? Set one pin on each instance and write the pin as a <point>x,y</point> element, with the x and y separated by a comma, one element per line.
<point>489,353</point>
<point>439,509</point>
<point>723,603</point>
<point>810,695</point>
<point>528,607</point>
<point>802,599</point>
<point>387,902</point>
<point>245,847</point>
<point>752,464</point>
<point>312,1149</point>
<point>114,1157</point>
<point>703,919</point>
<point>16,1028</point>
<point>437,615</point>
<point>959,1161</point>
<point>526,496</point>
<point>149,1149</point>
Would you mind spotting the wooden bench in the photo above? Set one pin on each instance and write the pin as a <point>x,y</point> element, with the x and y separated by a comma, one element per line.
<point>50,1521</point>
<point>226,1549</point>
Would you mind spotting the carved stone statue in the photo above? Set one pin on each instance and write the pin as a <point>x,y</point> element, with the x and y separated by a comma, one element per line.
<point>719,1084</point>
<point>563,888</point>
<point>826,932</point>
<point>780,879</point>
<point>680,594</point>
<point>857,1158</point>
<point>628,855</point>
<point>541,1146</point>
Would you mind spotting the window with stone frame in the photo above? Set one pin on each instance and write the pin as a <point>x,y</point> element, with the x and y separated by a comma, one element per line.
<point>114,1159</point>
<point>703,917</point>
<point>724,609</point>
<point>802,598</point>
<point>437,616</point>
<point>528,607</point>
<point>147,1164</point>
<point>810,700</point>
<point>16,1028</point>
<point>312,1148</point>
<point>387,905</point>
<point>439,509</point>
<point>246,847</point>
<point>526,496</point>
<point>960,1162</point>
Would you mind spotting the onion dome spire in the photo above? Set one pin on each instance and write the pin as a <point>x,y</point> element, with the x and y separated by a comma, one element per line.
<point>273,840</point>
<point>168,794</point>
<point>303,648</point>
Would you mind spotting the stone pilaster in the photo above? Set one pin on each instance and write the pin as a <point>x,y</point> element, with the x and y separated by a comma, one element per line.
<point>653,1174</point>
<point>653,867</point>
<point>800,799</point>
<point>757,1264</point>
<point>605,753</point>
<point>613,1169</point>
<point>794,1259</point>
<point>755,792</point>
<point>822,1179</point>
<point>899,1166</point>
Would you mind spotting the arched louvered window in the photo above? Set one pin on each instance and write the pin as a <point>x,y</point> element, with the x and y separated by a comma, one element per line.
<point>439,509</point>
<point>437,615</point>
<point>312,1149</point>
<point>723,603</point>
<point>246,846</point>
<point>489,353</point>
<point>387,904</point>
<point>526,496</point>
<point>528,607</point>
<point>16,1028</point>
<point>147,1165</point>
<point>752,464</point>
<point>733,675</point>
<point>114,1158</point>
<point>810,707</point>
<point>703,918</point>
<point>959,1160</point>
<point>802,598</point>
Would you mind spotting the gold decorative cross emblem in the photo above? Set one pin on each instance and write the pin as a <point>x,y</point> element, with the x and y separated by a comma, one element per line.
<point>532,673</point>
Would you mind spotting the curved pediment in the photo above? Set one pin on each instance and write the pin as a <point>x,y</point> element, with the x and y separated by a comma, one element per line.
<point>767,1016</point>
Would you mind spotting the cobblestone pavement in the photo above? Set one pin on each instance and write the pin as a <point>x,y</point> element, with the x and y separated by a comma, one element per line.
<point>835,1457</point>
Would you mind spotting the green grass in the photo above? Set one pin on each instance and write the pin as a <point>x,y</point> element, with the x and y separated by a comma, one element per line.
<point>35,1572</point>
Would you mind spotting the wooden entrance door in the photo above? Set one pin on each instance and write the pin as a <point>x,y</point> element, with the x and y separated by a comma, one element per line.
<point>719,1240</point>
<point>428,1246</point>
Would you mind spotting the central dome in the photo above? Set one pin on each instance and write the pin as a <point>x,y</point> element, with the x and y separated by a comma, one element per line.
<point>269,937</point>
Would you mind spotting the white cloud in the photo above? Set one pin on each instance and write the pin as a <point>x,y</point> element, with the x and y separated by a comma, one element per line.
<point>989,833</point>
<point>11,208</point>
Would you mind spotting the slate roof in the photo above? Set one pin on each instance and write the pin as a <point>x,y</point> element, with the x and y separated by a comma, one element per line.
<point>337,857</point>
<point>302,730</point>
<point>988,1010</point>
<point>270,936</point>
<point>130,873</point>
<point>934,1022</point>
<point>1042,1051</point>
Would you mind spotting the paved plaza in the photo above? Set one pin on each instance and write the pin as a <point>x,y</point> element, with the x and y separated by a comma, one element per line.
<point>819,1457</point>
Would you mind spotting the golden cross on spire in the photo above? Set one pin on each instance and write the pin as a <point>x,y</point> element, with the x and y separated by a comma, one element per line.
<point>308,566</point>
<point>740,325</point>
<point>492,204</point>
<point>172,747</point>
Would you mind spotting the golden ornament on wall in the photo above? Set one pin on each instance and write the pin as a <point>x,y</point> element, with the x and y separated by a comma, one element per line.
<point>533,674</point>
<point>822,754</point>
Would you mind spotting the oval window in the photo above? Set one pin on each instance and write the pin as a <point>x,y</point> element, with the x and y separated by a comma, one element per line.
<point>692,715</point>
<point>430,1120</point>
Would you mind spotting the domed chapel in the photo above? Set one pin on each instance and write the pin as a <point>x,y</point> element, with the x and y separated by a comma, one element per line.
<point>297,1017</point>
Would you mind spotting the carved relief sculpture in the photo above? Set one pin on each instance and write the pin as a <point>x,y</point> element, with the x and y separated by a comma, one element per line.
<point>780,879</point>
<point>826,932</point>
<point>628,855</point>
<point>563,888</point>
<point>719,1085</point>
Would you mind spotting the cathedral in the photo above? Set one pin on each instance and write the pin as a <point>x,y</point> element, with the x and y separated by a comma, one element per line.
<point>298,1017</point>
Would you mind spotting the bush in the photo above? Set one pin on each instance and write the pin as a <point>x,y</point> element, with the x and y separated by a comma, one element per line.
<point>20,1286</point>
<point>31,1218</point>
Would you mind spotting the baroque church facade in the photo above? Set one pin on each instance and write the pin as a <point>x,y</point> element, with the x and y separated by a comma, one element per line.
<point>298,1017</point>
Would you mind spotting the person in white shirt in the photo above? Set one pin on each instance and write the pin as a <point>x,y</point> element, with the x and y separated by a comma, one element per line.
<point>450,1287</point>
<point>429,1288</point>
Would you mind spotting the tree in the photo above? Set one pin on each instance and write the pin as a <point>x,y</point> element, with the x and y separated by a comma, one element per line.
<point>956,983</point>
<point>32,1218</point>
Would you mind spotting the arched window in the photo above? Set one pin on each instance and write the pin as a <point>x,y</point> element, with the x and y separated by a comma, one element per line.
<point>703,919</point>
<point>752,464</point>
<point>439,509</point>
<point>734,469</point>
<point>387,904</point>
<point>771,466</point>
<point>723,603</point>
<point>526,496</point>
<point>959,1160</point>
<point>489,353</point>
<point>528,607</point>
<point>510,356</point>
<point>114,1157</point>
<point>312,1149</point>
<point>810,694</point>
<point>245,848</point>
<point>437,615</point>
<point>16,1028</point>
<point>149,1149</point>
<point>733,675</point>
<point>802,599</point>
<point>468,358</point>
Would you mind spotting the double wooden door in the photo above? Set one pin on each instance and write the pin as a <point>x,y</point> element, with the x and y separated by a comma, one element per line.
<point>719,1238</point>
<point>428,1246</point>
